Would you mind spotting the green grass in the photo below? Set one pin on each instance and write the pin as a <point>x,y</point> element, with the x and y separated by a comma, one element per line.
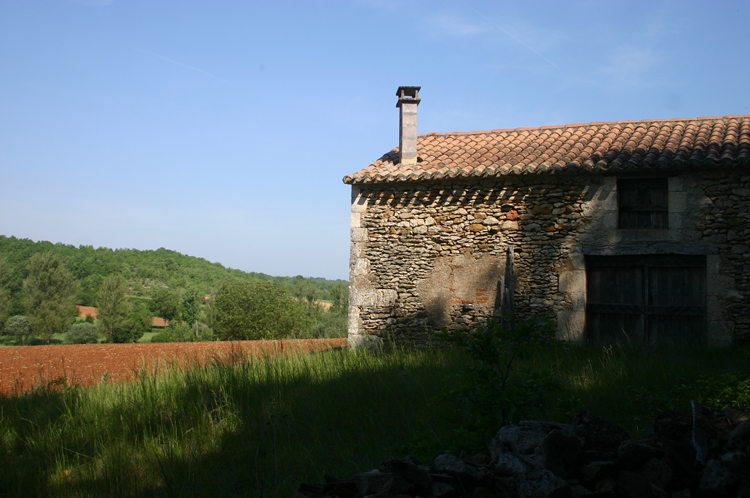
<point>148,335</point>
<point>261,427</point>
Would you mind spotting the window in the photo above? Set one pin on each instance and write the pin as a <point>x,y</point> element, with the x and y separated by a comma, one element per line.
<point>642,203</point>
<point>653,301</point>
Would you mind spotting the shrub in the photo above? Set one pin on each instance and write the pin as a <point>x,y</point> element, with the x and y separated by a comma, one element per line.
<point>493,391</point>
<point>82,333</point>
<point>18,328</point>
<point>258,311</point>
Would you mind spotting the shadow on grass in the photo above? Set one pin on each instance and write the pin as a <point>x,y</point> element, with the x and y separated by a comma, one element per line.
<point>256,429</point>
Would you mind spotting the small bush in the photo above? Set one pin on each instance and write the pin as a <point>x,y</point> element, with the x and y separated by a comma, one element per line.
<point>494,390</point>
<point>18,328</point>
<point>82,333</point>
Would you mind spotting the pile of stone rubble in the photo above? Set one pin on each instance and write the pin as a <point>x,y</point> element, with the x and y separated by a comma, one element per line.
<point>699,454</point>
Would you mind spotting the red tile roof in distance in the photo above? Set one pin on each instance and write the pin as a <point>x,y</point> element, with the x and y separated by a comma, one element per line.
<point>622,146</point>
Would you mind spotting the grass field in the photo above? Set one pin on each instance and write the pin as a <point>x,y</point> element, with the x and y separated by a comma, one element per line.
<point>261,427</point>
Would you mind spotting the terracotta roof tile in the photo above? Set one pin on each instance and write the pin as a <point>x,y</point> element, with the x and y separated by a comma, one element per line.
<point>669,144</point>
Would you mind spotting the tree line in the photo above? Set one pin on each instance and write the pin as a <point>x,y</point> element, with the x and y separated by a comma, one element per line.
<point>40,283</point>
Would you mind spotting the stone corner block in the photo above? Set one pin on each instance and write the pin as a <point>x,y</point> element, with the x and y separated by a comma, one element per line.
<point>372,297</point>
<point>675,184</point>
<point>677,202</point>
<point>359,235</point>
<point>570,325</point>
<point>720,334</point>
<point>572,282</point>
<point>364,341</point>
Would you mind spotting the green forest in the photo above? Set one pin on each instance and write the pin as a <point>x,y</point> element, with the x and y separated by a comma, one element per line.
<point>40,282</point>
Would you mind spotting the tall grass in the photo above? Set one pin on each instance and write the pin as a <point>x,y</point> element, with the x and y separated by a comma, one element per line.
<point>261,426</point>
<point>255,428</point>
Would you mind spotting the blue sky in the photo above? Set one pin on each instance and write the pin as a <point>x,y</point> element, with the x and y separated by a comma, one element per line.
<point>223,129</point>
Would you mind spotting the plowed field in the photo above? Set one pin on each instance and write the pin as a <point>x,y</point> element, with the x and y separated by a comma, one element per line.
<point>23,368</point>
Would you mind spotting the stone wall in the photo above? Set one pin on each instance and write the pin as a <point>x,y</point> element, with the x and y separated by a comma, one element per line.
<point>431,255</point>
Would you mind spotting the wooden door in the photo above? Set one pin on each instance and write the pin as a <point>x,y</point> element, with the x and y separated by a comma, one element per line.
<point>655,301</point>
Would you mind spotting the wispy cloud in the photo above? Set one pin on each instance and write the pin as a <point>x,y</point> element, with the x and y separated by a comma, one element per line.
<point>181,64</point>
<point>493,23</point>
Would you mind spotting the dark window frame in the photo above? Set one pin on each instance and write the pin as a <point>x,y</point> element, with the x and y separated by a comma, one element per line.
<point>643,203</point>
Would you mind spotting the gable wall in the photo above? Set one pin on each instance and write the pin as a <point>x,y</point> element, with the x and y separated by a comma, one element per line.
<point>425,256</point>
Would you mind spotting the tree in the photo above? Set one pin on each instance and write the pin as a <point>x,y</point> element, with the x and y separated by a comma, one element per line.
<point>139,322</point>
<point>340,294</point>
<point>165,304</point>
<point>5,276</point>
<point>51,290</point>
<point>18,328</point>
<point>258,311</point>
<point>113,306</point>
<point>191,306</point>
<point>82,333</point>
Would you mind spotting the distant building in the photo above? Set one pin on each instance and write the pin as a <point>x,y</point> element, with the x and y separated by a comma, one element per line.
<point>82,311</point>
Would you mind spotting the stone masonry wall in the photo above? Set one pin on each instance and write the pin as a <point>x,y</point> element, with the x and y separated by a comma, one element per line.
<point>431,255</point>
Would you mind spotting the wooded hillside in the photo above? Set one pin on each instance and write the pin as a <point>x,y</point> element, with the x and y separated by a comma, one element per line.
<point>146,271</point>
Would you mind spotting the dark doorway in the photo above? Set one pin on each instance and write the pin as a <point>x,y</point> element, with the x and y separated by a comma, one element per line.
<point>654,301</point>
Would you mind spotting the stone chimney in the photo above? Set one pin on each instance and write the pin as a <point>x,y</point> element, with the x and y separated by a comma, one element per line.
<point>408,100</point>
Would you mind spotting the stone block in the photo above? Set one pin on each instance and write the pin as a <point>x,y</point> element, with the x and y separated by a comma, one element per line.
<point>570,325</point>
<point>720,333</point>
<point>356,220</point>
<point>677,202</point>
<point>609,220</point>
<point>718,285</point>
<point>577,260</point>
<point>364,341</point>
<point>715,308</point>
<point>359,202</point>
<point>572,281</point>
<point>713,262</point>
<point>675,220</point>
<point>372,297</point>
<point>359,235</point>
<point>354,322</point>
<point>675,184</point>
<point>360,266</point>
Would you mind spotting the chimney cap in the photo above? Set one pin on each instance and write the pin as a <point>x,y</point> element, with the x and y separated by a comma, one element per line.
<point>408,94</point>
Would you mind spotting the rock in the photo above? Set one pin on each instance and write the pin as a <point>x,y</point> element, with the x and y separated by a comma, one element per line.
<point>673,425</point>
<point>560,452</point>
<point>541,484</point>
<point>634,453</point>
<point>578,491</point>
<point>634,485</point>
<point>523,438</point>
<point>739,438</point>
<point>717,481</point>
<point>597,433</point>
<point>508,465</point>
<point>442,490</point>
<point>409,469</point>
<point>596,471</point>
<point>658,473</point>
<point>375,481</point>
<point>477,460</point>
<point>457,467</point>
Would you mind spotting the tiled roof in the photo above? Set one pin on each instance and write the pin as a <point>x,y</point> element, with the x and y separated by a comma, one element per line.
<point>86,310</point>
<point>622,146</point>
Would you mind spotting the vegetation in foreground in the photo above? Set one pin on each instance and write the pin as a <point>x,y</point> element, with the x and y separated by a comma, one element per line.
<point>262,426</point>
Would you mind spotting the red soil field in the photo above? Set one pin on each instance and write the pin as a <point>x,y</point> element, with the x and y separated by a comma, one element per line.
<point>25,367</point>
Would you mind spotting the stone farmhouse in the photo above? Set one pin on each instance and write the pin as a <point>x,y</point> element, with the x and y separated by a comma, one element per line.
<point>629,233</point>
